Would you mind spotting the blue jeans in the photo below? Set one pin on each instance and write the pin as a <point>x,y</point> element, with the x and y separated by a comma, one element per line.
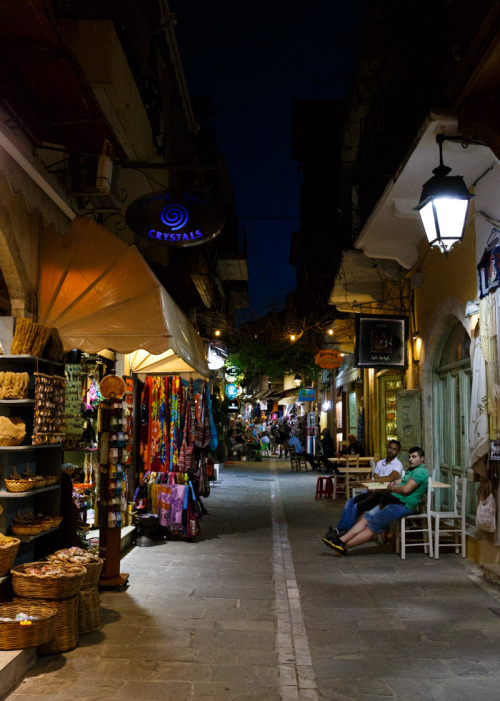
<point>379,519</point>
<point>349,516</point>
<point>355,507</point>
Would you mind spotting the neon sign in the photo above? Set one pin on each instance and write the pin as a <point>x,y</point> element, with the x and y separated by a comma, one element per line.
<point>174,217</point>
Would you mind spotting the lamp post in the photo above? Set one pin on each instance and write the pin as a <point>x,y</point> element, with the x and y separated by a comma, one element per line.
<point>444,205</point>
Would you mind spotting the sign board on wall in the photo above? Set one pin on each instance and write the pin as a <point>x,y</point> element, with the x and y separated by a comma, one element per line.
<point>307,394</point>
<point>174,218</point>
<point>408,418</point>
<point>381,341</point>
<point>328,359</point>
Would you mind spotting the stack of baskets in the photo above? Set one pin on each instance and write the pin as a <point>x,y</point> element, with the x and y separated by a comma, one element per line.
<point>55,586</point>
<point>89,609</point>
<point>8,551</point>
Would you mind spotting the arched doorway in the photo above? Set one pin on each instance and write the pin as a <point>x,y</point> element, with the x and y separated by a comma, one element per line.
<point>452,391</point>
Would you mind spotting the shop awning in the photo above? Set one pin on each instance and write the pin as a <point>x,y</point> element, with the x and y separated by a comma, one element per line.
<point>347,373</point>
<point>99,292</point>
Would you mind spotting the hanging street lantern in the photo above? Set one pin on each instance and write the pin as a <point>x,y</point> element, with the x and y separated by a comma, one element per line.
<point>444,205</point>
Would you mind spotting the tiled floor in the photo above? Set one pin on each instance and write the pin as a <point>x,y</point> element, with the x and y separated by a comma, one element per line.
<point>259,608</point>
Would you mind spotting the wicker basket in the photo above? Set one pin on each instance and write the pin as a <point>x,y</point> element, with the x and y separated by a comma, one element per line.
<point>65,623</point>
<point>8,554</point>
<point>19,486</point>
<point>14,636</point>
<point>27,530</point>
<point>47,587</point>
<point>89,610</point>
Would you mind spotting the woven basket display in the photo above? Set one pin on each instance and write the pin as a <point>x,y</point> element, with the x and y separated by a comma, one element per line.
<point>15,635</point>
<point>18,486</point>
<point>39,586</point>
<point>93,569</point>
<point>8,552</point>
<point>65,636</point>
<point>27,530</point>
<point>89,610</point>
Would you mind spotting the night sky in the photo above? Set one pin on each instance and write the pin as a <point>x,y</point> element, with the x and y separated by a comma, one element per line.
<point>252,60</point>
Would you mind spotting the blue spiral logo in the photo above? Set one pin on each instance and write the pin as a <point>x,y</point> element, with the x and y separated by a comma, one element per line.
<point>175,216</point>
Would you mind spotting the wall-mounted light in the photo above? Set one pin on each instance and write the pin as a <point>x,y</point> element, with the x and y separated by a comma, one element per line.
<point>417,347</point>
<point>444,204</point>
<point>297,380</point>
<point>292,337</point>
<point>326,406</point>
<point>330,332</point>
<point>217,332</point>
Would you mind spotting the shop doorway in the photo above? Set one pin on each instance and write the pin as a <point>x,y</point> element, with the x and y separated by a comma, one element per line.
<point>452,389</point>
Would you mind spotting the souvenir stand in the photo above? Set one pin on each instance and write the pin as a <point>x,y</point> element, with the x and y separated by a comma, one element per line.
<point>177,432</point>
<point>111,481</point>
<point>114,301</point>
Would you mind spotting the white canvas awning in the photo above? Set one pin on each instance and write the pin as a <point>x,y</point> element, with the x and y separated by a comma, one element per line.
<point>99,292</point>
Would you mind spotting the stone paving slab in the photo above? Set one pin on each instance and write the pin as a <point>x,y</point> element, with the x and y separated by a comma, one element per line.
<point>258,608</point>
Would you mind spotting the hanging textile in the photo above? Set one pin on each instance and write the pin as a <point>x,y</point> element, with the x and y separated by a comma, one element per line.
<point>176,433</point>
<point>479,443</point>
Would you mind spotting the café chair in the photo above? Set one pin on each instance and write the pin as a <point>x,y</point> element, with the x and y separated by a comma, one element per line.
<point>340,483</point>
<point>416,530</point>
<point>452,523</point>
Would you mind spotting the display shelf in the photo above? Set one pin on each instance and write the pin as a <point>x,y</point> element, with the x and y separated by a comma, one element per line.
<point>29,538</point>
<point>9,448</point>
<point>31,358</point>
<point>43,459</point>
<point>22,495</point>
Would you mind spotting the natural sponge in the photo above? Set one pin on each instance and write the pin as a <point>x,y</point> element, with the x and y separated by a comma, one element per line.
<point>12,430</point>
<point>14,385</point>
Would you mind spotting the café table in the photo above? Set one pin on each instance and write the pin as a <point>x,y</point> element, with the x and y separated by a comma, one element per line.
<point>369,484</point>
<point>349,472</point>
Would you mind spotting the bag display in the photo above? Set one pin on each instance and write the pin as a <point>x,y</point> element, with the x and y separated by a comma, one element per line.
<point>486,514</point>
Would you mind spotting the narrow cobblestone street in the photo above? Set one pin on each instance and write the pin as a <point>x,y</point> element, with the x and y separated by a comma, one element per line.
<point>260,609</point>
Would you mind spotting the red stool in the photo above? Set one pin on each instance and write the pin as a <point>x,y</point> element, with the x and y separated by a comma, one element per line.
<point>324,487</point>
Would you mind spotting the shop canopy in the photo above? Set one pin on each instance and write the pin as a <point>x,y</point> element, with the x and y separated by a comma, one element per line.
<point>99,292</point>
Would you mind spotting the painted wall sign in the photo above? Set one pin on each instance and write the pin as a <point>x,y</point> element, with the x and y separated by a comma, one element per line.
<point>174,218</point>
<point>381,341</point>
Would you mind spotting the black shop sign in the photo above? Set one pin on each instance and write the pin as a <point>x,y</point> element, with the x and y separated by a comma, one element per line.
<point>381,341</point>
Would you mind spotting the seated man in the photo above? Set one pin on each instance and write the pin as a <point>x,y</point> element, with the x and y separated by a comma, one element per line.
<point>354,447</point>
<point>234,446</point>
<point>328,451</point>
<point>389,469</point>
<point>398,501</point>
<point>294,441</point>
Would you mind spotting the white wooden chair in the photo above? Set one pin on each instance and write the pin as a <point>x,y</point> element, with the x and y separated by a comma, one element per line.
<point>452,523</point>
<point>416,530</point>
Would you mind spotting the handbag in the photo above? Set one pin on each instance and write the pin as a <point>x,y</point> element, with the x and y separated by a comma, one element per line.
<point>486,514</point>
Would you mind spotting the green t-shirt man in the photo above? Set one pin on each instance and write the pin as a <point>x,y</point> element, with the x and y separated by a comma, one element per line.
<point>420,476</point>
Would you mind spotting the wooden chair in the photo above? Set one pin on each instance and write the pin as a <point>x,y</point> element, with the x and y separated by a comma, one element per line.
<point>297,461</point>
<point>340,485</point>
<point>416,530</point>
<point>452,522</point>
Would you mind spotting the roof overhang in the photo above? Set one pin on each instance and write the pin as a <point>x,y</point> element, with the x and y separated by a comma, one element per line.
<point>359,281</point>
<point>394,230</point>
